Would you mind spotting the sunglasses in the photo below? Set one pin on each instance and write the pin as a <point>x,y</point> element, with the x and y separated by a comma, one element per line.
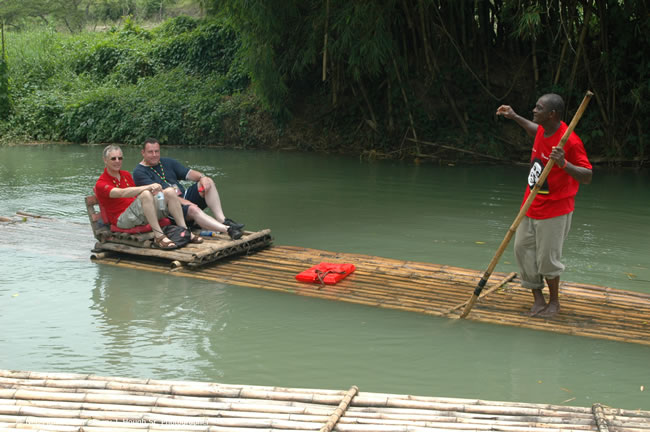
<point>114,158</point>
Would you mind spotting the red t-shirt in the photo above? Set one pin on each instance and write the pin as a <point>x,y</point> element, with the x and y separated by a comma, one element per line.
<point>557,195</point>
<point>114,207</point>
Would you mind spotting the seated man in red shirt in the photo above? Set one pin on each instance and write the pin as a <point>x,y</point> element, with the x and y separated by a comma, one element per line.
<point>128,206</point>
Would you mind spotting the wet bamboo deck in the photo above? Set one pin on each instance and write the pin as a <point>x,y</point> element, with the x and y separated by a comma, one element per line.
<point>587,310</point>
<point>80,402</point>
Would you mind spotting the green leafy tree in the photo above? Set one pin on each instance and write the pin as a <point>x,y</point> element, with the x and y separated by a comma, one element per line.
<point>439,67</point>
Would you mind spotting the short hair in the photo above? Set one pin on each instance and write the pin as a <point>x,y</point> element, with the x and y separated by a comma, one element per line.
<point>110,148</point>
<point>555,103</point>
<point>150,140</point>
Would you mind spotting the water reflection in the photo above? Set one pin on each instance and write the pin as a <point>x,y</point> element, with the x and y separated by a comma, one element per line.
<point>158,322</point>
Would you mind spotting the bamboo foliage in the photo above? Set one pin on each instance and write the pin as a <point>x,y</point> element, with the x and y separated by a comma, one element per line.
<point>444,50</point>
<point>82,402</point>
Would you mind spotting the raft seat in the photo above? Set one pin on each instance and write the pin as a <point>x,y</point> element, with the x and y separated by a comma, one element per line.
<point>103,231</point>
<point>135,230</point>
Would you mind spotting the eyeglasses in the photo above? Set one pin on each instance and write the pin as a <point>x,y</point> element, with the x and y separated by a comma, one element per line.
<point>114,158</point>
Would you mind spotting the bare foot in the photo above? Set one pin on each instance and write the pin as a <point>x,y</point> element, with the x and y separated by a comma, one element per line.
<point>537,308</point>
<point>550,310</point>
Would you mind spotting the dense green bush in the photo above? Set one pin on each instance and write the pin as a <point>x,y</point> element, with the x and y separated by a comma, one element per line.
<point>179,82</point>
<point>208,48</point>
<point>176,26</point>
<point>153,107</point>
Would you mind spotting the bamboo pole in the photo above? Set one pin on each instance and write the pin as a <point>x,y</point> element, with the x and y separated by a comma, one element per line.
<point>340,410</point>
<point>31,215</point>
<point>526,206</point>
<point>74,402</point>
<point>64,381</point>
<point>599,417</point>
<point>504,281</point>
<point>327,17</point>
<point>457,149</point>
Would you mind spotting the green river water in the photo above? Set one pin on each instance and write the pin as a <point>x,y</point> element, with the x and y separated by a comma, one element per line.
<point>60,312</point>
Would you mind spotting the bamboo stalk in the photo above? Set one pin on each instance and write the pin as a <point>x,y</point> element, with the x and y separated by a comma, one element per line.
<point>340,410</point>
<point>599,417</point>
<point>504,281</point>
<point>327,17</point>
<point>320,414</point>
<point>31,215</point>
<point>75,402</point>
<point>460,150</point>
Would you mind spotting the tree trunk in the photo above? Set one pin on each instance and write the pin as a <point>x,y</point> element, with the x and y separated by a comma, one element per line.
<point>425,38</point>
<point>581,43</point>
<point>406,103</point>
<point>535,67</point>
<point>327,16</point>
<point>561,61</point>
<point>389,90</point>
<point>373,118</point>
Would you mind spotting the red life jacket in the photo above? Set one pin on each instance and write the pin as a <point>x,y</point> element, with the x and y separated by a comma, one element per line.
<point>325,273</point>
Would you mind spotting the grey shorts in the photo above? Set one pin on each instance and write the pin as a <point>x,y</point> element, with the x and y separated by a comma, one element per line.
<point>134,216</point>
<point>538,249</point>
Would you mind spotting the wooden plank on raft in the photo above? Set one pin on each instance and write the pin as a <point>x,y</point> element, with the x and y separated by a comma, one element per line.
<point>74,402</point>
<point>433,289</point>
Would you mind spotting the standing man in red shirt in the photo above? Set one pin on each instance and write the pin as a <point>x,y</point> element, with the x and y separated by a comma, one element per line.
<point>128,205</point>
<point>541,234</point>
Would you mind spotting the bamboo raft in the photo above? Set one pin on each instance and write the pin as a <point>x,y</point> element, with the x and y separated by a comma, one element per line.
<point>194,255</point>
<point>91,403</point>
<point>587,310</point>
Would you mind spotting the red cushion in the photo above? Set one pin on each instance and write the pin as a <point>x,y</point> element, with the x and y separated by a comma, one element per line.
<point>140,228</point>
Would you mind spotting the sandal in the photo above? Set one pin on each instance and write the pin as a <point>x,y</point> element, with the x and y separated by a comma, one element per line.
<point>195,239</point>
<point>164,243</point>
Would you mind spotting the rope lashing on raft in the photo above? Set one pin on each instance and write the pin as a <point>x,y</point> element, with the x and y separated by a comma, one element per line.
<point>599,417</point>
<point>326,273</point>
<point>340,410</point>
<point>321,274</point>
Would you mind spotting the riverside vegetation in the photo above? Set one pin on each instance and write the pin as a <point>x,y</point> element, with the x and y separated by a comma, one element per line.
<point>392,78</point>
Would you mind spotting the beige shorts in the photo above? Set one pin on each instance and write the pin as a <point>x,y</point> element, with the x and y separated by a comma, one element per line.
<point>134,215</point>
<point>538,249</point>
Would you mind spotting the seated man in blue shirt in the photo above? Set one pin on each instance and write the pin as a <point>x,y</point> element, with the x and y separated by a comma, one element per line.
<point>203,193</point>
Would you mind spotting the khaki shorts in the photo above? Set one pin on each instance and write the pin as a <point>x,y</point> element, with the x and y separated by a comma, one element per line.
<point>134,215</point>
<point>538,249</point>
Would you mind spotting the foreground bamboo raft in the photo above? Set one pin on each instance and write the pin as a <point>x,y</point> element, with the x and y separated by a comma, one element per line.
<point>587,310</point>
<point>79,402</point>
